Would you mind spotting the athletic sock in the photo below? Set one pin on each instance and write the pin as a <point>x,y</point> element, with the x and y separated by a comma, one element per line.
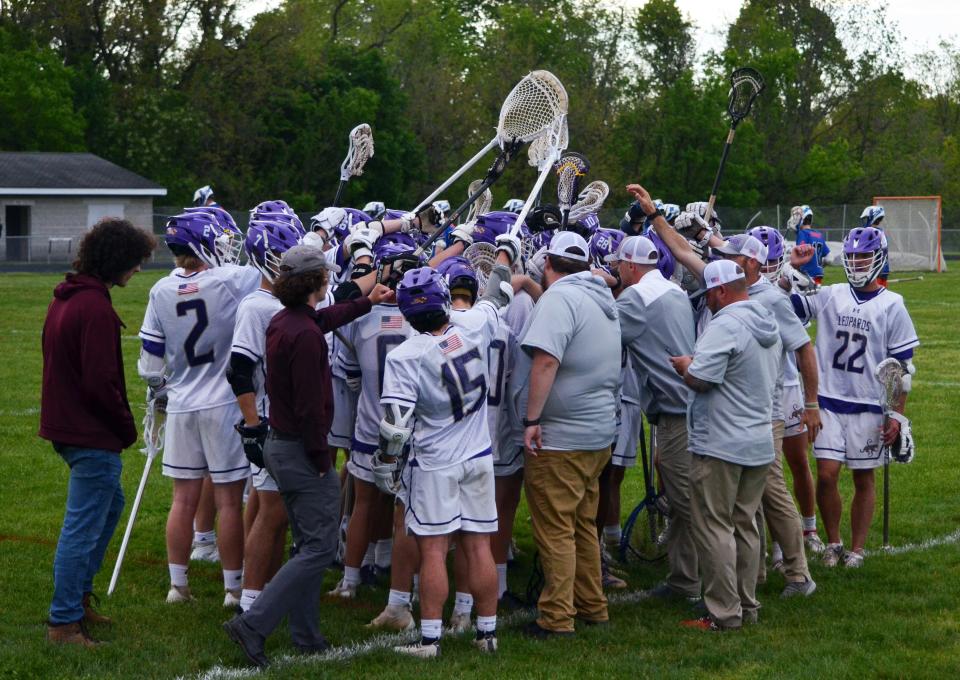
<point>369,556</point>
<point>178,575</point>
<point>487,624</point>
<point>776,553</point>
<point>383,555</point>
<point>430,629</point>
<point>463,603</point>
<point>232,579</point>
<point>612,534</point>
<point>501,580</point>
<point>810,524</point>
<point>205,536</point>
<point>398,598</point>
<point>351,576</point>
<point>247,598</point>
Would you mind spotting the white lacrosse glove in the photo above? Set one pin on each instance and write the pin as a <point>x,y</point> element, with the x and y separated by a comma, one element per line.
<point>796,214</point>
<point>464,233</point>
<point>374,226</point>
<point>800,283</point>
<point>386,473</point>
<point>315,239</point>
<point>360,243</point>
<point>690,224</point>
<point>408,222</point>
<point>535,265</point>
<point>902,450</point>
<point>328,221</point>
<point>508,243</point>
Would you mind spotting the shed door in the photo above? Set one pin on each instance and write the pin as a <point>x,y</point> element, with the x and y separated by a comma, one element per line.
<point>17,225</point>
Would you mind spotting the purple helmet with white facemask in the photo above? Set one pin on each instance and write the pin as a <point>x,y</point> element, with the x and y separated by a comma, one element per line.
<point>266,243</point>
<point>460,276</point>
<point>772,239</point>
<point>864,254</point>
<point>196,234</point>
<point>422,291</point>
<point>665,261</point>
<point>604,242</point>
<point>230,241</point>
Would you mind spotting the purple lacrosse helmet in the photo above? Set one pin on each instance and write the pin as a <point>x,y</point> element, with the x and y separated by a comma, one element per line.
<point>286,218</point>
<point>861,241</point>
<point>394,214</point>
<point>421,291</point>
<point>230,241</point>
<point>604,242</point>
<point>266,242</point>
<point>395,239</point>
<point>275,206</point>
<point>492,224</point>
<point>665,262</point>
<point>354,216</point>
<point>392,260</point>
<point>195,233</point>
<point>460,274</point>
<point>772,239</point>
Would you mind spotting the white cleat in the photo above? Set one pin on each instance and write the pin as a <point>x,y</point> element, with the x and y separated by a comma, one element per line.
<point>420,649</point>
<point>394,617</point>
<point>204,552</point>
<point>486,642</point>
<point>345,590</point>
<point>814,543</point>
<point>231,599</point>
<point>832,554</point>
<point>178,594</point>
<point>460,622</point>
<point>853,560</point>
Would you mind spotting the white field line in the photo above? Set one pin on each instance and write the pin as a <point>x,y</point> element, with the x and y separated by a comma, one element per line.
<point>947,539</point>
<point>21,412</point>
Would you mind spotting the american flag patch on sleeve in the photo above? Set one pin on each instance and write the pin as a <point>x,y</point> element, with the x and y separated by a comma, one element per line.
<point>391,322</point>
<point>451,344</point>
<point>187,289</point>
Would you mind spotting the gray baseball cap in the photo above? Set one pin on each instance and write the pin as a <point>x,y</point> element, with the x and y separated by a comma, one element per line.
<point>303,258</point>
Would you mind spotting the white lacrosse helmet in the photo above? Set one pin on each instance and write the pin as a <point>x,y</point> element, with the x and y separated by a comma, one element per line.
<point>442,207</point>
<point>514,205</point>
<point>872,216</point>
<point>202,195</point>
<point>375,209</point>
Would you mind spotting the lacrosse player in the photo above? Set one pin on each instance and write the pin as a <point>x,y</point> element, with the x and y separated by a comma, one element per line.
<point>656,322</point>
<point>872,216</point>
<point>203,197</point>
<point>859,324</point>
<point>801,220</point>
<point>264,542</point>
<point>186,334</point>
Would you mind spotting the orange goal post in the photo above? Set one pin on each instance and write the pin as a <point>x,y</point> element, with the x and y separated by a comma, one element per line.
<point>912,226</point>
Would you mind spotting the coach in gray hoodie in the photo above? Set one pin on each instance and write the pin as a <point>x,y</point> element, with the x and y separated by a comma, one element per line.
<point>733,371</point>
<point>573,339</point>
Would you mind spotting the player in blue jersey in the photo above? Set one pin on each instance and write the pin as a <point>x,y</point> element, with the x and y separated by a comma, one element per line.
<point>801,219</point>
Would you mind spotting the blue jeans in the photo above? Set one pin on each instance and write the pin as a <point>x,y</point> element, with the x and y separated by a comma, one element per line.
<point>94,504</point>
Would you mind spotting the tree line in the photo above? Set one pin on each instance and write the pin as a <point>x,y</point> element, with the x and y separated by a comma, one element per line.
<point>184,93</point>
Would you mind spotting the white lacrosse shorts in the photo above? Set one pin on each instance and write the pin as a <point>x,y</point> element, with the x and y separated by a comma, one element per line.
<point>792,402</point>
<point>360,464</point>
<point>461,497</point>
<point>853,439</point>
<point>344,415</point>
<point>262,481</point>
<point>509,464</point>
<point>198,442</point>
<point>628,435</point>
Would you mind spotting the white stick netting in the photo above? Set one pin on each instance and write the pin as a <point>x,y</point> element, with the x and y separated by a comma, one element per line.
<point>889,372</point>
<point>570,168</point>
<point>482,205</point>
<point>532,107</point>
<point>481,256</point>
<point>361,150</point>
<point>590,201</point>
<point>912,227</point>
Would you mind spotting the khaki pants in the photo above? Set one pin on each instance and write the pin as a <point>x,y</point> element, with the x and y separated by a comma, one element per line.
<point>684,576</point>
<point>725,498</point>
<point>562,493</point>
<point>781,515</point>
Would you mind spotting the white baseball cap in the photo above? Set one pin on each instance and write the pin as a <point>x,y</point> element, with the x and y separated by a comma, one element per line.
<point>570,245</point>
<point>719,272</point>
<point>744,244</point>
<point>636,249</point>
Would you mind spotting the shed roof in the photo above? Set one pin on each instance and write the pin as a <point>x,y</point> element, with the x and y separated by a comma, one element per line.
<point>40,173</point>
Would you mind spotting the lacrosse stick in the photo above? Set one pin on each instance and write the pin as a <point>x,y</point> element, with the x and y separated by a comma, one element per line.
<point>154,423</point>
<point>569,169</point>
<point>890,374</point>
<point>746,84</point>
<point>481,256</point>
<point>530,110</point>
<point>590,201</point>
<point>909,278</point>
<point>543,155</point>
<point>361,150</point>
<point>483,204</point>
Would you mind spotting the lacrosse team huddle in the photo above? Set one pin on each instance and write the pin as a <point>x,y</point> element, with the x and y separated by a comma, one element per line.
<point>463,357</point>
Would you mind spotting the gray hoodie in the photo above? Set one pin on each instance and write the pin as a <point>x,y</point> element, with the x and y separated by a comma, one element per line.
<point>739,352</point>
<point>576,322</point>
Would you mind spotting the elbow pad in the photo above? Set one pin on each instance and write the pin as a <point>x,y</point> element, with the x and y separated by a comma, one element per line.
<point>499,289</point>
<point>906,380</point>
<point>151,368</point>
<point>394,432</point>
<point>348,290</point>
<point>240,374</point>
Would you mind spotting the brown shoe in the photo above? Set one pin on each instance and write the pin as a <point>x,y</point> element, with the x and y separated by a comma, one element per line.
<point>70,634</point>
<point>91,615</point>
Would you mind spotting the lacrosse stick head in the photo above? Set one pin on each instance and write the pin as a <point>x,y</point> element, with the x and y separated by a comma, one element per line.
<point>746,84</point>
<point>590,200</point>
<point>890,374</point>
<point>481,256</point>
<point>360,151</point>
<point>533,107</point>
<point>482,204</point>
<point>570,168</point>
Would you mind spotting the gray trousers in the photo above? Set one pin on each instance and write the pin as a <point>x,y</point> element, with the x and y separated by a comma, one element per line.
<point>684,576</point>
<point>313,506</point>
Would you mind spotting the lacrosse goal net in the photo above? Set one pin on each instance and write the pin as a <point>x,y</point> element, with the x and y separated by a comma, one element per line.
<point>912,226</point>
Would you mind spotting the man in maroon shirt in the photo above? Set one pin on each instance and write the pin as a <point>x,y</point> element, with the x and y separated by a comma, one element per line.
<point>296,453</point>
<point>85,414</point>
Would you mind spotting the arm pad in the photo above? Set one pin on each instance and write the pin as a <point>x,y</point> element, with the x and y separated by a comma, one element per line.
<point>499,288</point>
<point>394,432</point>
<point>348,290</point>
<point>151,368</point>
<point>240,374</point>
<point>906,381</point>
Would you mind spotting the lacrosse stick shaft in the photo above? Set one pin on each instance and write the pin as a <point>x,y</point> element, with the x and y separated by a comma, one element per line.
<point>909,278</point>
<point>716,180</point>
<point>455,176</point>
<point>452,217</point>
<point>886,500</point>
<point>133,517</point>
<point>336,198</point>
<point>528,204</point>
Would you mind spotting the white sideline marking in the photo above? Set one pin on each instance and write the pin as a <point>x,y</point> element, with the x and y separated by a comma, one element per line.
<point>21,412</point>
<point>940,383</point>
<point>948,539</point>
<point>383,641</point>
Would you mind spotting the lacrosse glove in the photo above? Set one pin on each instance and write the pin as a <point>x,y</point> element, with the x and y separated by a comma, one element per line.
<point>902,449</point>
<point>544,218</point>
<point>463,233</point>
<point>253,439</point>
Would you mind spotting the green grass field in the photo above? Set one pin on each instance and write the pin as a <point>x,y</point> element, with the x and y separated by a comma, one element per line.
<point>897,617</point>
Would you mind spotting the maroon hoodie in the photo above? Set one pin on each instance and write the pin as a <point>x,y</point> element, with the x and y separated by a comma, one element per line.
<point>84,399</point>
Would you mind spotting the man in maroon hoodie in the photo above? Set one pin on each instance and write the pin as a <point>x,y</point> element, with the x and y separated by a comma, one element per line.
<point>85,414</point>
